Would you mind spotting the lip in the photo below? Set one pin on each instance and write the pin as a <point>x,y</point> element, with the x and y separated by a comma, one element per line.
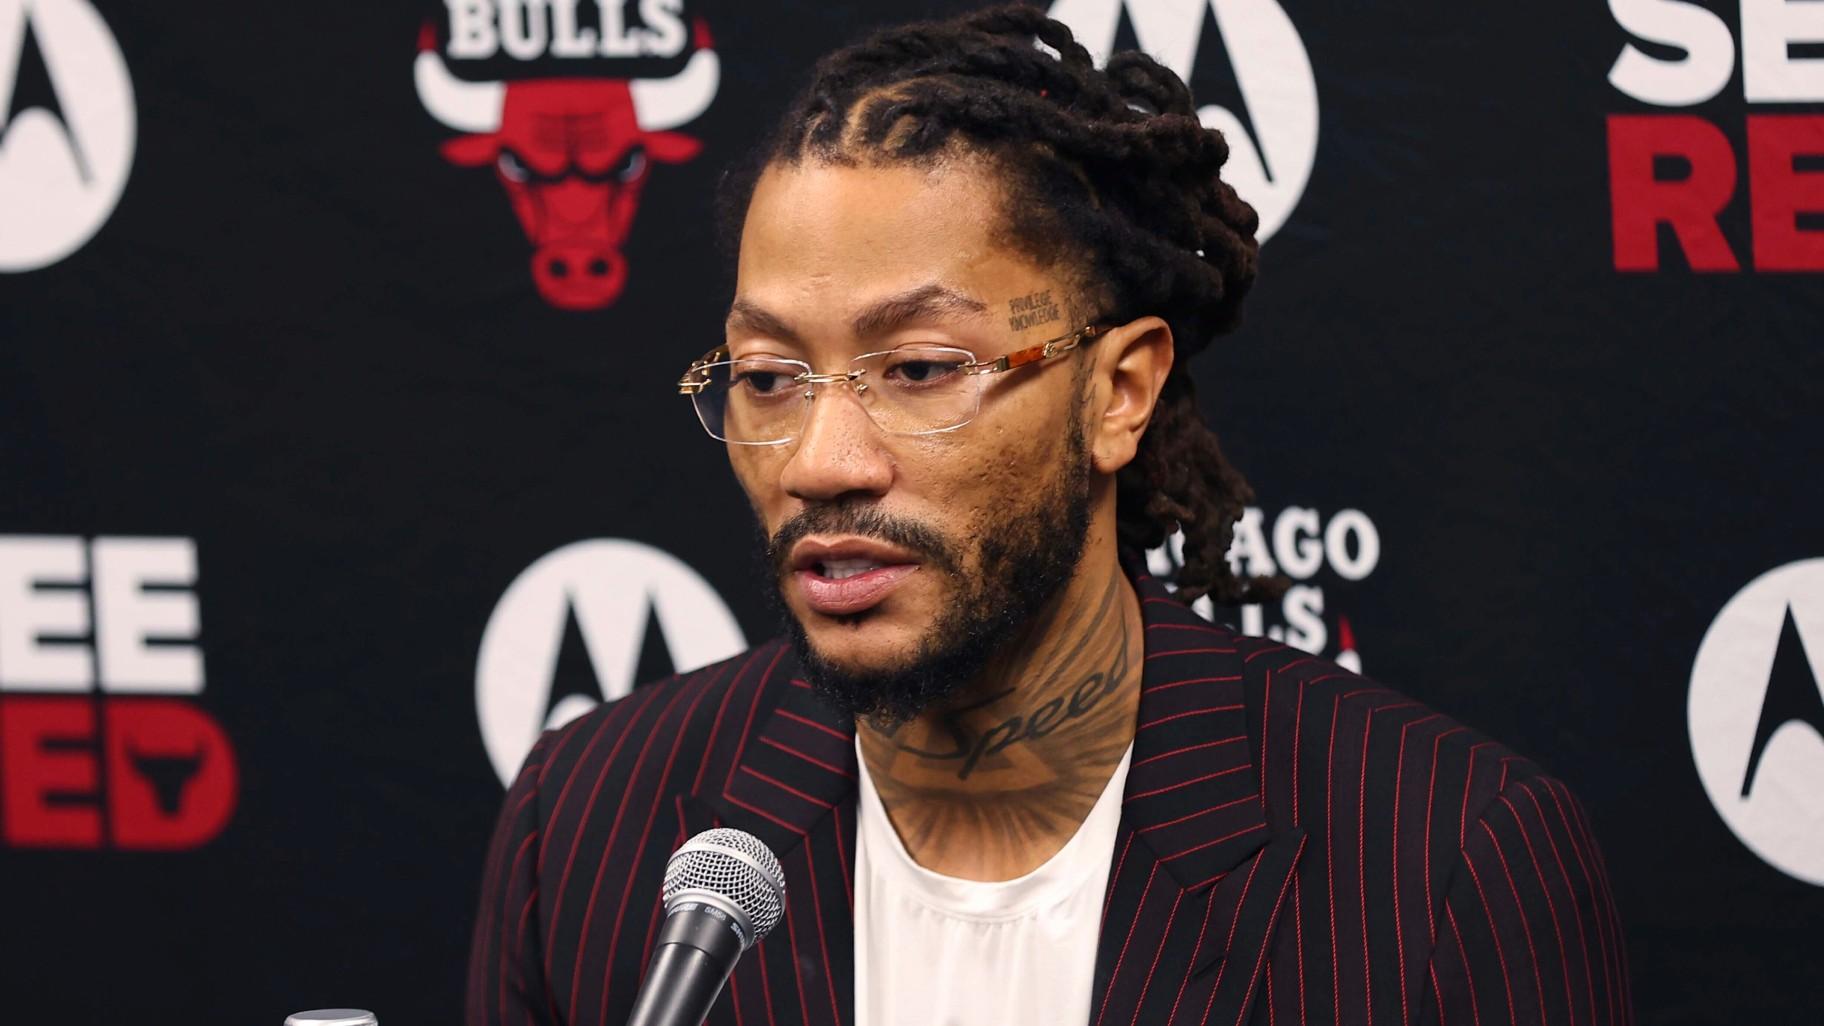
<point>850,595</point>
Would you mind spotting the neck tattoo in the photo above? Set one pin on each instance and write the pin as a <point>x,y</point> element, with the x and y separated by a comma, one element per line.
<point>1021,764</point>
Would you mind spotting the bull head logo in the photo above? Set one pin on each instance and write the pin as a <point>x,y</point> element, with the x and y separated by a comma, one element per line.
<point>572,154</point>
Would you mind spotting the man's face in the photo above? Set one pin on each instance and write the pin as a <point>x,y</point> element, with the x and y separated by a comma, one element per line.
<point>906,561</point>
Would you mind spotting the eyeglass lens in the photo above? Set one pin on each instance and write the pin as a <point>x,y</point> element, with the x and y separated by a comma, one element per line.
<point>911,390</point>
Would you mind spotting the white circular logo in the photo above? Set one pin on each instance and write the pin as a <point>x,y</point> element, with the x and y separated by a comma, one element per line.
<point>1757,717</point>
<point>66,129</point>
<point>1273,135</point>
<point>614,591</point>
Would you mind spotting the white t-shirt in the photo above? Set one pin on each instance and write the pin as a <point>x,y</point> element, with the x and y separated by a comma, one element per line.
<point>933,950</point>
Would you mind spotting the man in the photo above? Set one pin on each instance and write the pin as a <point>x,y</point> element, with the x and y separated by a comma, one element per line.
<point>1010,778</point>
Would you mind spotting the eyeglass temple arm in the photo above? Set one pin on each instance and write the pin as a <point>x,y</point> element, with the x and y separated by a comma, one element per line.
<point>695,379</point>
<point>1043,351</point>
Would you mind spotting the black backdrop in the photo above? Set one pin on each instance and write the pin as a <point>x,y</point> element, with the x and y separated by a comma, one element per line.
<point>303,357</point>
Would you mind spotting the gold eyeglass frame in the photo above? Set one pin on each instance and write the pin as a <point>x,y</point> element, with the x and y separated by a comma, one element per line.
<point>696,376</point>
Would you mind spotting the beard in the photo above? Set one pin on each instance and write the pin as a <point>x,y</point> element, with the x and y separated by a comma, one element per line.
<point>1022,562</point>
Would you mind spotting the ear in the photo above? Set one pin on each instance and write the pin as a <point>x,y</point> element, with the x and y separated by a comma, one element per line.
<point>1132,362</point>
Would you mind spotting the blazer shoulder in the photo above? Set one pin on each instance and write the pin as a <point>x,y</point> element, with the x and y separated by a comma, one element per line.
<point>1315,722</point>
<point>691,718</point>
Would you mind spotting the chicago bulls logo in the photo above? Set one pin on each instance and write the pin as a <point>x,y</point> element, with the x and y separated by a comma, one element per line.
<point>572,154</point>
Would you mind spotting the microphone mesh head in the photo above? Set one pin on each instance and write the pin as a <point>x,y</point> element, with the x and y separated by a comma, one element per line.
<point>737,866</point>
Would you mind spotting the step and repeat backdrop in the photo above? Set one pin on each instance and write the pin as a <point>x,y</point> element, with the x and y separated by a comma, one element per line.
<point>339,454</point>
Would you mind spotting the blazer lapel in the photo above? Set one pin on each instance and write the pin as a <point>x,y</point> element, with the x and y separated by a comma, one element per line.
<point>792,784</point>
<point>1198,876</point>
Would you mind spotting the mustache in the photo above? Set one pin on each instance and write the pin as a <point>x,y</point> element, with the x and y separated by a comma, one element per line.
<point>868,522</point>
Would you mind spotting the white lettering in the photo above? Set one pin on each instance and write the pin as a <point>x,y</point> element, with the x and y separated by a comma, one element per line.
<point>1248,551</point>
<point>1702,73</point>
<point>1367,544</point>
<point>1769,73</point>
<point>665,36</point>
<point>29,612</point>
<point>128,617</point>
<point>523,31</point>
<point>567,40</point>
<point>617,40</point>
<point>1295,542</point>
<point>1304,610</point>
<point>472,33</point>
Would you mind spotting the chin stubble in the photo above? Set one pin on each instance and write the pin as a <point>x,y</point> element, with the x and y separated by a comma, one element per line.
<point>1024,562</point>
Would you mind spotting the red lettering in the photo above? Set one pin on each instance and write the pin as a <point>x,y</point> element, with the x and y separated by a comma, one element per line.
<point>33,774</point>
<point>171,774</point>
<point>1780,192</point>
<point>1642,202</point>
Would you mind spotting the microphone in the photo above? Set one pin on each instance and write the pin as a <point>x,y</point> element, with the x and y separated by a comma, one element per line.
<point>723,892</point>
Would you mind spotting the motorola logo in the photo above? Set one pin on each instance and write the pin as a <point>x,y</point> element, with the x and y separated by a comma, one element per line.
<point>1246,64</point>
<point>1757,717</point>
<point>66,129</point>
<point>583,625</point>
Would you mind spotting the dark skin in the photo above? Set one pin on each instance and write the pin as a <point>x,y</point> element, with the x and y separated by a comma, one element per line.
<point>993,781</point>
<point>1015,770</point>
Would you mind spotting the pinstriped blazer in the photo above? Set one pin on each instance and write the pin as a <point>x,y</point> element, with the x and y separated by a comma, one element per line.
<point>1297,845</point>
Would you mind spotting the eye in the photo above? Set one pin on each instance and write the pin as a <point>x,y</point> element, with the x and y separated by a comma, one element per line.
<point>631,165</point>
<point>511,167</point>
<point>762,381</point>
<point>915,368</point>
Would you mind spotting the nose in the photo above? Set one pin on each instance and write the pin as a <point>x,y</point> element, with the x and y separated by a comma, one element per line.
<point>839,453</point>
<point>577,276</point>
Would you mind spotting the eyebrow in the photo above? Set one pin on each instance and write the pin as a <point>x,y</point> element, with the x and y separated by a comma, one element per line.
<point>925,301</point>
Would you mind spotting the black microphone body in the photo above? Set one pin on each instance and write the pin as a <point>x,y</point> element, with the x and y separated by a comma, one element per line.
<point>696,950</point>
<point>724,891</point>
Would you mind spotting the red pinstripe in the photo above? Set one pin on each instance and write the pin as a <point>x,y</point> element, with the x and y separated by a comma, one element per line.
<point>842,856</point>
<point>795,718</point>
<point>1475,1014</point>
<point>1190,651</point>
<point>652,812</point>
<point>1494,931</point>
<point>1196,949</point>
<point>1469,779</point>
<point>1431,790</point>
<point>1129,939</point>
<point>1260,959</point>
<point>812,759</point>
<point>1168,788</point>
<point>823,948</point>
<point>1227,679</point>
<point>1215,805</point>
<point>1187,715</point>
<point>1187,749</point>
<point>1109,899</point>
<point>1164,935</point>
<point>1399,927</point>
<point>1212,842</point>
<point>1526,927</point>
<point>563,879</point>
<point>696,785</point>
<point>601,867</point>
<point>1336,989</point>
<point>1187,817</point>
<point>748,730</point>
<point>1588,882</point>
<point>1298,942</point>
<point>1361,863</point>
<point>1583,942</point>
<point>783,786</point>
<point>1550,905</point>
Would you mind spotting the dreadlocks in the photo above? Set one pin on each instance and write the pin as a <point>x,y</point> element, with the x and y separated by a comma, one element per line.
<point>1107,173</point>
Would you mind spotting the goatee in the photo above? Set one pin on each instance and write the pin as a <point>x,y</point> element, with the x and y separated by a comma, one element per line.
<point>1022,564</point>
